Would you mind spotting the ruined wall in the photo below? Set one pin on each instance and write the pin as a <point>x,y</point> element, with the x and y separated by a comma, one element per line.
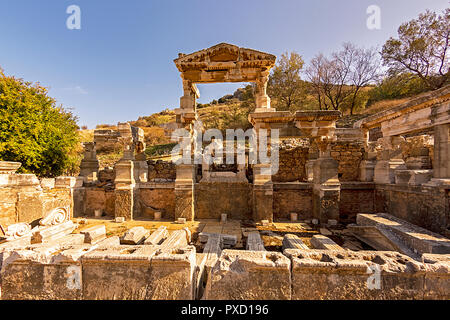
<point>23,198</point>
<point>161,171</point>
<point>424,206</point>
<point>292,165</point>
<point>289,198</point>
<point>157,199</point>
<point>212,199</point>
<point>99,199</point>
<point>106,140</point>
<point>349,155</point>
<point>356,198</point>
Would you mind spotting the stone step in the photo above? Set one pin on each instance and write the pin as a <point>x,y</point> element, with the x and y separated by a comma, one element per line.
<point>291,241</point>
<point>158,236</point>
<point>414,237</point>
<point>254,242</point>
<point>319,241</point>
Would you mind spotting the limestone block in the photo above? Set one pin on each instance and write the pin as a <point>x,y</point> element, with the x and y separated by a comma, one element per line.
<point>413,177</point>
<point>124,203</point>
<point>17,231</point>
<point>157,236</point>
<point>254,242</point>
<point>109,242</point>
<point>347,275</point>
<point>228,239</point>
<point>172,274</point>
<point>30,206</point>
<point>136,235</point>
<point>367,169</point>
<point>418,239</point>
<point>65,182</point>
<point>250,275</point>
<point>9,167</point>
<point>178,238</point>
<point>48,183</point>
<point>94,234</point>
<point>385,170</point>
<point>117,273</point>
<point>52,233</point>
<point>322,242</point>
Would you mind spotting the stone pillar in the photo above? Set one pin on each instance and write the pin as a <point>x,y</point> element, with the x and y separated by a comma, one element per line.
<point>125,183</point>
<point>184,192</point>
<point>262,193</point>
<point>262,99</point>
<point>186,113</point>
<point>389,159</point>
<point>326,188</point>
<point>140,164</point>
<point>89,165</point>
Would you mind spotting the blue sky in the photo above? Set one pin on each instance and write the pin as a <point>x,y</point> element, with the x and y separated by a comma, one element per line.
<point>119,65</point>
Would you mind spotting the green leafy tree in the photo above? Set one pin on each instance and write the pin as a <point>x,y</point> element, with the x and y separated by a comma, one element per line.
<point>285,87</point>
<point>421,48</point>
<point>34,131</point>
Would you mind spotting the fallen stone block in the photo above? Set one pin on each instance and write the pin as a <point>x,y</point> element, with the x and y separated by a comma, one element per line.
<point>109,242</point>
<point>43,272</point>
<point>157,236</point>
<point>319,241</point>
<point>348,275</point>
<point>178,238</point>
<point>136,235</point>
<point>117,273</point>
<point>250,275</point>
<point>172,275</point>
<point>94,234</point>
<point>291,241</point>
<point>52,233</point>
<point>254,242</point>
<point>416,238</point>
<point>325,232</point>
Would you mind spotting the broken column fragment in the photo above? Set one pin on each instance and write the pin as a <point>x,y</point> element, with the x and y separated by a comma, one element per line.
<point>94,234</point>
<point>319,241</point>
<point>157,236</point>
<point>254,242</point>
<point>178,238</point>
<point>291,241</point>
<point>136,235</point>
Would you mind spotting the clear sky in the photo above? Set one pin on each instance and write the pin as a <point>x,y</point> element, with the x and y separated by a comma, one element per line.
<point>119,65</point>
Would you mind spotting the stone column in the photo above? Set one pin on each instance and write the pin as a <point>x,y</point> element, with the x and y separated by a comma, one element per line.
<point>125,183</point>
<point>184,192</point>
<point>262,193</point>
<point>186,112</point>
<point>326,188</point>
<point>262,99</point>
<point>389,159</point>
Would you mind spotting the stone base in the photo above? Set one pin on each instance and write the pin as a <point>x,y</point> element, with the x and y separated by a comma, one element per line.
<point>385,170</point>
<point>124,203</point>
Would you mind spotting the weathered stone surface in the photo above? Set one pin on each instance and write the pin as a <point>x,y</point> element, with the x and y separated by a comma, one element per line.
<point>157,236</point>
<point>94,234</point>
<point>177,239</point>
<point>319,241</point>
<point>318,274</point>
<point>254,242</point>
<point>117,273</point>
<point>124,203</point>
<point>136,235</point>
<point>418,239</point>
<point>250,275</point>
<point>291,241</point>
<point>227,239</point>
<point>52,233</point>
<point>172,274</point>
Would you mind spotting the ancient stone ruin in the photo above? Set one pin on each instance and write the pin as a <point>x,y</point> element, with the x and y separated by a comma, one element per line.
<point>351,213</point>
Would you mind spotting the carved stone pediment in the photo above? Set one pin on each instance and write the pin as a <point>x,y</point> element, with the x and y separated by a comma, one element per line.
<point>223,57</point>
